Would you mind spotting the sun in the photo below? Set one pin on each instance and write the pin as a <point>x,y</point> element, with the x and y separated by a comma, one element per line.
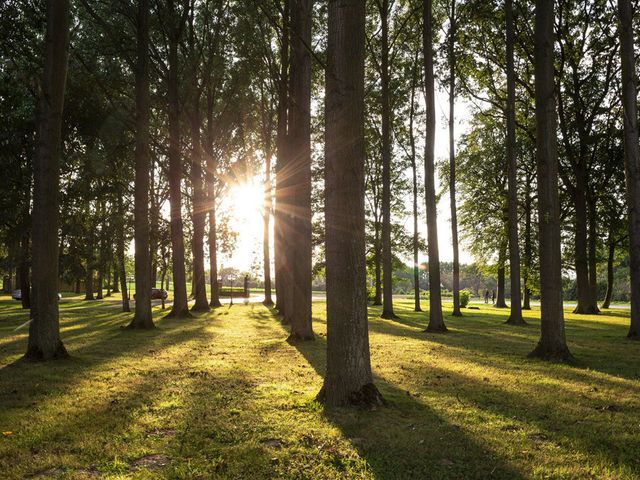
<point>244,205</point>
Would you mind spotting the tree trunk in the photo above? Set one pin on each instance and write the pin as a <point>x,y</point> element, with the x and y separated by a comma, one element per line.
<point>593,254</point>
<point>120,257</point>
<point>25,283</point>
<point>452,162</point>
<point>348,378</point>
<point>631,158</point>
<point>279,223</point>
<point>199,213</point>
<point>142,317</point>
<point>180,308</point>
<point>552,344</point>
<point>612,251</point>
<point>527,249</point>
<point>500,297</point>
<point>88,282</point>
<point>414,176</point>
<point>387,259</point>
<point>515,316</point>
<point>300,171</point>
<point>108,294</point>
<point>211,178</point>
<point>115,284</point>
<point>266,217</point>
<point>436,321</point>
<point>44,330</point>
<point>584,305</point>
<point>377,299</point>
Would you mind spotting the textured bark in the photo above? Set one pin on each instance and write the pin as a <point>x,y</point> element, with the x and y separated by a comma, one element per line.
<point>142,318</point>
<point>414,176</point>
<point>115,285</point>
<point>436,321</point>
<point>593,254</point>
<point>180,308</point>
<point>515,316</point>
<point>610,257</point>
<point>452,162</point>
<point>387,259</point>
<point>266,221</point>
<point>211,178</point>
<point>199,213</point>
<point>377,299</point>
<point>631,157</point>
<point>526,303</point>
<point>552,344</point>
<point>348,378</point>
<point>88,280</point>
<point>44,330</point>
<point>300,171</point>
<point>279,222</point>
<point>25,283</point>
<point>500,294</point>
<point>120,257</point>
<point>585,304</point>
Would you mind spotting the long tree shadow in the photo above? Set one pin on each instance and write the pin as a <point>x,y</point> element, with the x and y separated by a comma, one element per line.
<point>428,446</point>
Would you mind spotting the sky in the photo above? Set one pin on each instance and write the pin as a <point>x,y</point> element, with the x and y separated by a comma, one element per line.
<point>246,219</point>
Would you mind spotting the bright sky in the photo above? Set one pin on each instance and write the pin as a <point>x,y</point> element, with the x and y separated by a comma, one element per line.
<point>244,201</point>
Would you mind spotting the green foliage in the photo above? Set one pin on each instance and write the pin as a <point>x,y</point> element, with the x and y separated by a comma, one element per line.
<point>465,296</point>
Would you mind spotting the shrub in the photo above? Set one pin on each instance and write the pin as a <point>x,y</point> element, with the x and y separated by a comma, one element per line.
<point>465,296</point>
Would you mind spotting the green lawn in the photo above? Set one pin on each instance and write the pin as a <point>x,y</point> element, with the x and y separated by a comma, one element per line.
<point>224,396</point>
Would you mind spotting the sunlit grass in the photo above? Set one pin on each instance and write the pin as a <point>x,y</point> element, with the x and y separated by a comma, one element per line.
<point>224,396</point>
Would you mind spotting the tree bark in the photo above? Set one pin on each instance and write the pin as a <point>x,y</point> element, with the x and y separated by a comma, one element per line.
<point>25,283</point>
<point>387,259</point>
<point>612,251</point>
<point>436,321</point>
<point>88,282</point>
<point>142,318</point>
<point>515,316</point>
<point>500,296</point>
<point>211,179</point>
<point>552,344</point>
<point>279,227</point>
<point>44,330</point>
<point>526,304</point>
<point>120,257</point>
<point>348,378</point>
<point>266,217</point>
<point>593,253</point>
<point>631,157</point>
<point>414,176</point>
<point>180,308</point>
<point>300,171</point>
<point>452,162</point>
<point>377,299</point>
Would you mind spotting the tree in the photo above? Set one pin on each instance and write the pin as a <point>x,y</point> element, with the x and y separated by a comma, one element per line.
<point>436,321</point>
<point>142,318</point>
<point>631,157</point>
<point>552,344</point>
<point>348,378</point>
<point>299,151</point>
<point>515,318</point>
<point>44,331</point>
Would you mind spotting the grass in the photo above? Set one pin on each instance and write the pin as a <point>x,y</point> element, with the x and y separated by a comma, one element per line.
<point>224,396</point>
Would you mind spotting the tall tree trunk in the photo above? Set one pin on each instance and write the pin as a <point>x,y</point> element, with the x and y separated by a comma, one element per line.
<point>500,297</point>
<point>631,157</point>
<point>88,282</point>
<point>25,283</point>
<point>526,274</point>
<point>377,299</point>
<point>300,171</point>
<point>414,176</point>
<point>211,179</point>
<point>593,253</point>
<point>612,251</point>
<point>348,378</point>
<point>199,213</point>
<point>44,329</point>
<point>120,256</point>
<point>108,267</point>
<point>279,224</point>
<point>515,316</point>
<point>584,305</point>
<point>180,308</point>
<point>115,284</point>
<point>436,321</point>
<point>552,344</point>
<point>142,317</point>
<point>387,259</point>
<point>452,162</point>
<point>266,217</point>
